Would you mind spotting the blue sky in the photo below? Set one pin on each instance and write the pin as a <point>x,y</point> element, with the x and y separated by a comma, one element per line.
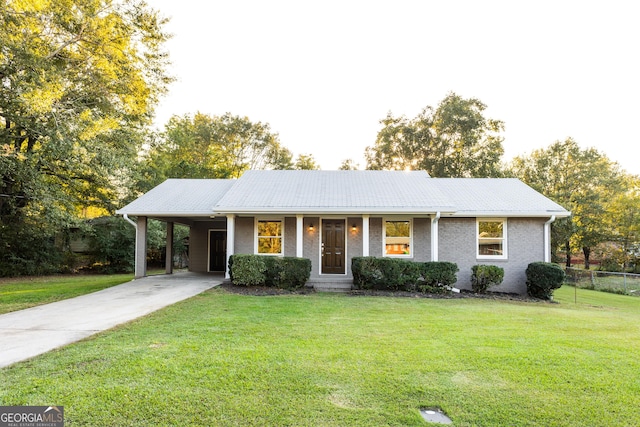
<point>323,73</point>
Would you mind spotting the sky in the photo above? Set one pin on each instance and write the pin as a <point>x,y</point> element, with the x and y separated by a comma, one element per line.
<point>323,74</point>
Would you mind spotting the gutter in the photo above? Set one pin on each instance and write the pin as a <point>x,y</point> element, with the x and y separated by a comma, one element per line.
<point>547,238</point>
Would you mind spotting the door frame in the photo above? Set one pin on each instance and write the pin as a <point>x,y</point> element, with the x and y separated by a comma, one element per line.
<point>346,250</point>
<point>224,230</point>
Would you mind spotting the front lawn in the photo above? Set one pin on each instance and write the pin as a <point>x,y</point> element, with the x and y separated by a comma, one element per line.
<point>20,293</point>
<point>335,360</point>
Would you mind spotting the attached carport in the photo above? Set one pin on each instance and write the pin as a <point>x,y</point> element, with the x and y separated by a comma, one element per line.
<point>175,201</point>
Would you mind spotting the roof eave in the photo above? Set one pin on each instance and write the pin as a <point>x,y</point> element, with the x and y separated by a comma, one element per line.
<point>510,214</point>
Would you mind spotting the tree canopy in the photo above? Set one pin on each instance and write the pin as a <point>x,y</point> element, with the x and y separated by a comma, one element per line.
<point>78,84</point>
<point>452,140</point>
<point>583,181</point>
<point>204,146</point>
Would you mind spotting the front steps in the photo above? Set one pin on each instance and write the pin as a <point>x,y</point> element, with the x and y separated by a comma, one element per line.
<point>331,285</point>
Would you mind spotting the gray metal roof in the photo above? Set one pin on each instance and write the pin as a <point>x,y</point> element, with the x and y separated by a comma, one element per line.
<point>180,197</point>
<point>334,192</point>
<point>499,196</point>
<point>343,192</point>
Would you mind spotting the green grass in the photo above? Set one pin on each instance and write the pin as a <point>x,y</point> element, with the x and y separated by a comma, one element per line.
<point>21,293</point>
<point>335,360</point>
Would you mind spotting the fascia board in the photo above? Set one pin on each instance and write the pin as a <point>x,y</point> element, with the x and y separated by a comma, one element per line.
<point>165,213</point>
<point>336,211</point>
<point>509,214</point>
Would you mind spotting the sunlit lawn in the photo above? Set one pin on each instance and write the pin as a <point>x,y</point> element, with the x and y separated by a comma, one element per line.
<point>335,360</point>
<point>21,293</point>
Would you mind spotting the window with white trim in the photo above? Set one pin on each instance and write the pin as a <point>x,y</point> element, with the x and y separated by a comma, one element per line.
<point>492,238</point>
<point>269,236</point>
<point>398,238</point>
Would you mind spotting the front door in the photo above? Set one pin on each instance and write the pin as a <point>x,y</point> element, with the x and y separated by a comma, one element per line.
<point>217,250</point>
<point>333,246</point>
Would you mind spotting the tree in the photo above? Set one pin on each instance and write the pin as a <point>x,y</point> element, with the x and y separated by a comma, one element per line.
<point>453,140</point>
<point>78,84</point>
<point>622,218</point>
<point>306,162</point>
<point>348,165</point>
<point>205,146</point>
<point>582,181</point>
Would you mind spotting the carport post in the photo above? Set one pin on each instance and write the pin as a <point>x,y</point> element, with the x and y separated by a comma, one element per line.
<point>141,247</point>
<point>169,256</point>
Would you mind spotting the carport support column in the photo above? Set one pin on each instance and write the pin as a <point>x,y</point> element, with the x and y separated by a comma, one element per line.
<point>169,256</point>
<point>231,237</point>
<point>141,247</point>
<point>365,235</point>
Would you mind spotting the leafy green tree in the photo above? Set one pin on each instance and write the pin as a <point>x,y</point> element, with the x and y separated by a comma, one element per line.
<point>306,162</point>
<point>348,165</point>
<point>78,83</point>
<point>453,140</point>
<point>622,217</point>
<point>582,181</point>
<point>205,146</point>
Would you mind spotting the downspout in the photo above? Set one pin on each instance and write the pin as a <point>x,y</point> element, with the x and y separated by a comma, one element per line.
<point>547,238</point>
<point>135,258</point>
<point>434,237</point>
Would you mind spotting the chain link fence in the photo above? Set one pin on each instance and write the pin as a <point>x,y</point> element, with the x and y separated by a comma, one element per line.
<point>606,281</point>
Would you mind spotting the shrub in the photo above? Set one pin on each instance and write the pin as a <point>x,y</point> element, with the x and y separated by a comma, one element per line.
<point>437,276</point>
<point>485,276</point>
<point>384,273</point>
<point>248,270</point>
<point>543,278</point>
<point>289,272</point>
<point>111,245</point>
<point>260,270</point>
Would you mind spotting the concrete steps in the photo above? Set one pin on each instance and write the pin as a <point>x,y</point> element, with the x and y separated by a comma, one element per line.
<point>331,285</point>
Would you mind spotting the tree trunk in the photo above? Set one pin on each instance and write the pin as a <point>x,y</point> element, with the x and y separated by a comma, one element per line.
<point>567,249</point>
<point>586,250</point>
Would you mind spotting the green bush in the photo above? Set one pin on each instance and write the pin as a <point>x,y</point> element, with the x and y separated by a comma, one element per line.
<point>111,245</point>
<point>485,276</point>
<point>437,276</point>
<point>290,272</point>
<point>248,270</point>
<point>543,278</point>
<point>261,270</point>
<point>384,273</point>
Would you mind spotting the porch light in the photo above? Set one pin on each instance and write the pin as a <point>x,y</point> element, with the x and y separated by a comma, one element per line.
<point>353,227</point>
<point>311,227</point>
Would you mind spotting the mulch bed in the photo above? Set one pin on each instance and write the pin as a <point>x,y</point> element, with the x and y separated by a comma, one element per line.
<point>270,291</point>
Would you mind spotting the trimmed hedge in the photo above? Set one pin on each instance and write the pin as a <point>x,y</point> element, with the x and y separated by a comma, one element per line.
<point>543,278</point>
<point>261,270</point>
<point>438,276</point>
<point>383,273</point>
<point>485,276</point>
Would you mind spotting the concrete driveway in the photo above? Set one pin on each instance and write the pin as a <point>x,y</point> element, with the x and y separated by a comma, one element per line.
<point>28,333</point>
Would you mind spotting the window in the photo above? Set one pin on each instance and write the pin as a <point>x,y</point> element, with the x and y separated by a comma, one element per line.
<point>492,238</point>
<point>397,238</point>
<point>269,237</point>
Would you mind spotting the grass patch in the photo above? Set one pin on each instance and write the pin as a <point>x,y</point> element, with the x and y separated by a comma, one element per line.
<point>21,293</point>
<point>334,360</point>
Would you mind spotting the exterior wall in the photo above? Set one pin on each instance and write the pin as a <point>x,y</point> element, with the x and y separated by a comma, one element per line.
<point>199,243</point>
<point>290,236</point>
<point>311,249</point>
<point>457,243</point>
<point>422,239</point>
<point>375,237</point>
